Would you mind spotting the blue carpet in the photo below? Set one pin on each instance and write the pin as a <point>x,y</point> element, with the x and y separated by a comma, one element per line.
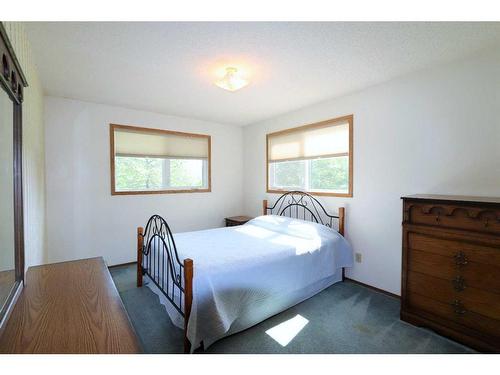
<point>345,318</point>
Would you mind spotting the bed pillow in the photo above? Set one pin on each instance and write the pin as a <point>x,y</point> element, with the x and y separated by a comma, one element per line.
<point>293,227</point>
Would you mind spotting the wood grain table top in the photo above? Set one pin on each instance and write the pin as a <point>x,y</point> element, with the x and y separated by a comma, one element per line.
<point>69,307</point>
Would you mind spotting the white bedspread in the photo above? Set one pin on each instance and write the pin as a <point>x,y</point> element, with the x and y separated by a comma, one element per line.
<point>245,274</point>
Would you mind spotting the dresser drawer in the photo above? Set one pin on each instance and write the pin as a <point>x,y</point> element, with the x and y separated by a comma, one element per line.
<point>477,300</point>
<point>460,251</point>
<point>459,313</point>
<point>478,265</point>
<point>477,275</point>
<point>478,219</point>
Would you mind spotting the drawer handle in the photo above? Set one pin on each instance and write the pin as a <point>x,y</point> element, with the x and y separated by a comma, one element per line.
<point>458,307</point>
<point>459,283</point>
<point>461,259</point>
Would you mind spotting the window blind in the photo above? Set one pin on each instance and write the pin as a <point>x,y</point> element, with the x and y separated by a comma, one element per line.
<point>139,143</point>
<point>327,140</point>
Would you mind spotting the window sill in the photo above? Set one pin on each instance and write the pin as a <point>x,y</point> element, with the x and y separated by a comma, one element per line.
<point>161,191</point>
<point>317,193</point>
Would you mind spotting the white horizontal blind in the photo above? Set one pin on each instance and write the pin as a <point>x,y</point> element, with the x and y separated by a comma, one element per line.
<point>326,140</point>
<point>144,143</point>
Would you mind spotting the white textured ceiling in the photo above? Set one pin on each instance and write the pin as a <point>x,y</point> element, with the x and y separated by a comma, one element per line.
<point>169,67</point>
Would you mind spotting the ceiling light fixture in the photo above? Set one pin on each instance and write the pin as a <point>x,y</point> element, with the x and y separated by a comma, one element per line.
<point>232,80</point>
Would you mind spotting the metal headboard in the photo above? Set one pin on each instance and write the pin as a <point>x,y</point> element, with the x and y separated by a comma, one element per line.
<point>157,252</point>
<point>160,259</point>
<point>302,205</point>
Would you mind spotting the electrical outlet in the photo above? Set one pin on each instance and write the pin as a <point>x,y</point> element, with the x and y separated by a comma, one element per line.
<point>358,257</point>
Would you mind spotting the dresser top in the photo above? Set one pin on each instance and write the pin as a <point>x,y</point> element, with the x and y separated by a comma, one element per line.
<point>69,307</point>
<point>454,198</point>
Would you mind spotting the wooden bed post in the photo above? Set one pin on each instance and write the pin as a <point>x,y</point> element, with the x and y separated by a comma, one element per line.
<point>264,207</point>
<point>140,243</point>
<point>188,295</point>
<point>341,231</point>
<point>341,220</point>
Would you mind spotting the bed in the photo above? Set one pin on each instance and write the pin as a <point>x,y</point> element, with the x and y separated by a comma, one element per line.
<point>217,282</point>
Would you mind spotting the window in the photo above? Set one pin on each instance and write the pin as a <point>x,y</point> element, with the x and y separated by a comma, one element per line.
<point>316,158</point>
<point>158,161</point>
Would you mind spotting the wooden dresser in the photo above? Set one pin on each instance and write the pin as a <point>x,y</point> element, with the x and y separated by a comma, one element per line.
<point>69,307</point>
<point>451,267</point>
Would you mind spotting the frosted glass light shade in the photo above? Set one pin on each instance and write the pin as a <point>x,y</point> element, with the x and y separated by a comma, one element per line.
<point>232,80</point>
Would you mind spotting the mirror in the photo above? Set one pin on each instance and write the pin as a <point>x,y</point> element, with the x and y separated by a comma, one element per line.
<point>7,245</point>
<point>12,84</point>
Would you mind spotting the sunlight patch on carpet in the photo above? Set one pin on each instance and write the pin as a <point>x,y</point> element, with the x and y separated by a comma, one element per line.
<point>285,332</point>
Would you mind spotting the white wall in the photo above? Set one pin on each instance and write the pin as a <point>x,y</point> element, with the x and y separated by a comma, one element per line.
<point>35,248</point>
<point>435,131</point>
<point>84,220</point>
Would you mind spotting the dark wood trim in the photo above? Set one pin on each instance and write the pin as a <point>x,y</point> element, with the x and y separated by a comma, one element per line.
<point>453,199</point>
<point>12,53</point>
<point>373,288</point>
<point>350,120</point>
<point>18,192</point>
<point>12,78</point>
<point>113,127</point>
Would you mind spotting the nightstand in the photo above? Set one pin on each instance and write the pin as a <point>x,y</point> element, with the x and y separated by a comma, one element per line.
<point>237,220</point>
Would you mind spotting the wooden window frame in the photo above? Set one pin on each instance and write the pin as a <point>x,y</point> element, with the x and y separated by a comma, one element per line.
<point>113,127</point>
<point>349,119</point>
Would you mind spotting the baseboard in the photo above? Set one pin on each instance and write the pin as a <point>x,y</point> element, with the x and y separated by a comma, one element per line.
<point>374,288</point>
<point>122,264</point>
